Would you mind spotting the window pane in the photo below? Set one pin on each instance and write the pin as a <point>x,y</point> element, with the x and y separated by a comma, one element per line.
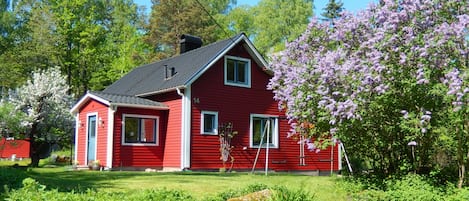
<point>140,130</point>
<point>241,71</point>
<point>131,129</point>
<point>230,70</point>
<point>209,123</point>
<point>259,127</point>
<point>148,133</point>
<point>256,131</point>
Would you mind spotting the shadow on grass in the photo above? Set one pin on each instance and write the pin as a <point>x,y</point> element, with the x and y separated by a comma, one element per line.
<point>80,181</point>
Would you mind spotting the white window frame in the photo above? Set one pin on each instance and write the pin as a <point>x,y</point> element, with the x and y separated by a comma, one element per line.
<point>202,123</point>
<point>248,72</point>
<point>275,138</point>
<point>157,121</point>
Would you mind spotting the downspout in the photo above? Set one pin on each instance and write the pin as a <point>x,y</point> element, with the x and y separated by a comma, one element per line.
<point>179,92</point>
<point>185,128</point>
<point>77,130</point>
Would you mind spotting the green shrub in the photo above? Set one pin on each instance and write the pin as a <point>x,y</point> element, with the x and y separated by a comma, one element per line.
<point>284,194</point>
<point>232,193</point>
<point>10,178</point>
<point>280,193</point>
<point>34,191</point>
<point>411,187</point>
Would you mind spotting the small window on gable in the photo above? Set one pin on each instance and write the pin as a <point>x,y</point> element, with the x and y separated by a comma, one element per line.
<point>237,71</point>
<point>140,130</point>
<point>209,123</point>
<point>264,131</point>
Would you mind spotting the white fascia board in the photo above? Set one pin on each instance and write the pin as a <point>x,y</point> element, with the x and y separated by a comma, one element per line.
<point>85,98</point>
<point>77,127</point>
<point>256,53</point>
<point>110,136</point>
<point>257,56</point>
<point>213,61</point>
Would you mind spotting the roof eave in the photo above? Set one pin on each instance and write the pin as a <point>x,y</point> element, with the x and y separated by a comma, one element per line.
<point>161,91</point>
<point>252,50</point>
<point>256,53</point>
<point>84,99</point>
<point>140,106</point>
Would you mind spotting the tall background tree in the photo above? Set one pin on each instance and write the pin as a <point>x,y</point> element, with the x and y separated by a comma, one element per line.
<point>171,18</point>
<point>393,74</point>
<point>332,10</point>
<point>278,21</point>
<point>94,42</point>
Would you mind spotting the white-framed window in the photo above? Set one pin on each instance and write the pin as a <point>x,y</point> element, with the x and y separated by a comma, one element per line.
<point>237,71</point>
<point>209,123</point>
<point>139,129</point>
<point>261,127</point>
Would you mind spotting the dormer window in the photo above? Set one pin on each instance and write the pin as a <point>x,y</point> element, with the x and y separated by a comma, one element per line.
<point>237,71</point>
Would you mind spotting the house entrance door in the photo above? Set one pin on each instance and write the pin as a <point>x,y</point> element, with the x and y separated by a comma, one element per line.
<point>91,138</point>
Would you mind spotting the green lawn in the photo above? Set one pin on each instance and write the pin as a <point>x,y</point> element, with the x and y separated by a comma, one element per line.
<point>198,184</point>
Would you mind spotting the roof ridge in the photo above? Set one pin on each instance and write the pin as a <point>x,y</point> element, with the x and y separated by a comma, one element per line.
<point>234,38</point>
<point>150,78</point>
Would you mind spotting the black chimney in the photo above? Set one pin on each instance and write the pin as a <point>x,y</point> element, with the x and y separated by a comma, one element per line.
<point>189,43</point>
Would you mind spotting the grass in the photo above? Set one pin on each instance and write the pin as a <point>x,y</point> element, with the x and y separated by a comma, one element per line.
<point>198,184</point>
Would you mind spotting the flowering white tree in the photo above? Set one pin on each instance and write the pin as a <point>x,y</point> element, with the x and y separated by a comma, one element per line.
<point>393,73</point>
<point>43,104</point>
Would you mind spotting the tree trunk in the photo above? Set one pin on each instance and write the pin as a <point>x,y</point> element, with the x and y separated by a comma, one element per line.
<point>462,172</point>
<point>461,166</point>
<point>33,147</point>
<point>34,159</point>
<point>461,161</point>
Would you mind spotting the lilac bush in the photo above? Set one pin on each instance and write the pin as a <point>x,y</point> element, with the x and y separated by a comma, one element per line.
<point>399,62</point>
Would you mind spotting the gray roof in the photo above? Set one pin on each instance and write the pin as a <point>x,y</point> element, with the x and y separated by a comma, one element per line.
<point>150,78</point>
<point>126,100</point>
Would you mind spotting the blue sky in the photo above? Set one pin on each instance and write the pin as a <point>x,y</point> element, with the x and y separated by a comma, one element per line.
<point>350,5</point>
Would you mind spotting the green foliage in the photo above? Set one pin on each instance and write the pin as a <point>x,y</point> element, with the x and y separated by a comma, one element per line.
<point>280,193</point>
<point>94,42</point>
<point>232,193</point>
<point>408,188</point>
<point>10,178</point>
<point>170,19</point>
<point>33,190</point>
<point>285,194</point>
<point>10,119</point>
<point>278,21</point>
<point>332,10</point>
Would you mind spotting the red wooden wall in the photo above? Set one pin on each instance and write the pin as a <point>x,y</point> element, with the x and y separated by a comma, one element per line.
<point>140,155</point>
<point>172,141</point>
<point>92,107</point>
<point>18,147</point>
<point>235,104</point>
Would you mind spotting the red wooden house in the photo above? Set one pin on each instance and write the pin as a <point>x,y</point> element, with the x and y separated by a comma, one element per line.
<point>166,115</point>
